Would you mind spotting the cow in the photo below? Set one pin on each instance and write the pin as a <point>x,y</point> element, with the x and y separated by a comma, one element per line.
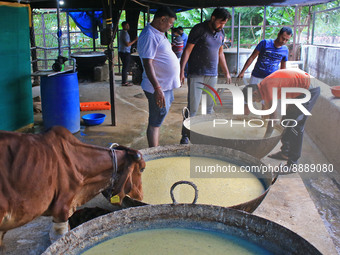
<point>53,173</point>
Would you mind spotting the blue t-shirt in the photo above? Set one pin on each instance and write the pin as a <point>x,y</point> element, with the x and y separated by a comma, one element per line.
<point>124,37</point>
<point>203,59</point>
<point>185,39</point>
<point>269,58</point>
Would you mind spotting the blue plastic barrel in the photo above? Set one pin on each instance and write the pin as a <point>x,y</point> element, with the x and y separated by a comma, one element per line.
<point>60,101</point>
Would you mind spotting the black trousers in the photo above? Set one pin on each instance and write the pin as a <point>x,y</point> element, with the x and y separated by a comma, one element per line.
<point>125,58</point>
<point>292,137</point>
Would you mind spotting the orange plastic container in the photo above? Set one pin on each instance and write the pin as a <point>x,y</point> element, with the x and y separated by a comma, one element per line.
<point>93,106</point>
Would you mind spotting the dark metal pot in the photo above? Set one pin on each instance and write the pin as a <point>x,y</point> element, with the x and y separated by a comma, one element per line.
<point>86,61</point>
<point>258,147</point>
<point>226,154</point>
<point>264,233</point>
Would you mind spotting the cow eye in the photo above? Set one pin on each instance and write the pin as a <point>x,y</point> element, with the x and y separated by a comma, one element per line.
<point>142,170</point>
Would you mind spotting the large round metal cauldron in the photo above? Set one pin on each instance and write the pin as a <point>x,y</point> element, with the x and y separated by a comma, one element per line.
<point>257,147</point>
<point>231,58</point>
<point>261,232</point>
<point>86,61</point>
<point>229,155</point>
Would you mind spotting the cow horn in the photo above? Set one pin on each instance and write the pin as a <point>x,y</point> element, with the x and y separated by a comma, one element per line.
<point>114,145</point>
<point>138,156</point>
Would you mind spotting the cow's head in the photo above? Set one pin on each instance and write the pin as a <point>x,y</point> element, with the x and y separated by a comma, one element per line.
<point>128,181</point>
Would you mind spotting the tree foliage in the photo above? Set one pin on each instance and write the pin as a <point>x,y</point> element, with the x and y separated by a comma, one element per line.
<point>276,17</point>
<point>327,23</point>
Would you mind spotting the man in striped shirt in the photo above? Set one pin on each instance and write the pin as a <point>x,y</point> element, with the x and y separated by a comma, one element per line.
<point>178,43</point>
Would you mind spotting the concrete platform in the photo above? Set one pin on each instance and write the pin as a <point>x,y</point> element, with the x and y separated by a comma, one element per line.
<point>288,203</point>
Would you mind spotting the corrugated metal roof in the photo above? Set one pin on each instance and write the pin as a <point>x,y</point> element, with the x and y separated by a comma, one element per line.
<point>133,4</point>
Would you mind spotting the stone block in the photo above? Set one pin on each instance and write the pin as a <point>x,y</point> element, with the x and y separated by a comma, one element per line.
<point>101,73</point>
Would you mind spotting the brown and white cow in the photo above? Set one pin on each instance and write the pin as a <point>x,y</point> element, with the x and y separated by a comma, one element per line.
<point>51,174</point>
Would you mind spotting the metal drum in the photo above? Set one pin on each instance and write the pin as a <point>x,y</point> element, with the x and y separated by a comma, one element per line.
<point>257,147</point>
<point>231,58</point>
<point>266,234</point>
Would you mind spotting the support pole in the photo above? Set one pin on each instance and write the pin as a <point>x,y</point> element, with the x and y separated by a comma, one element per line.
<point>34,53</point>
<point>238,43</point>
<point>232,26</point>
<point>44,39</point>
<point>68,36</point>
<point>264,23</point>
<point>59,34</point>
<point>294,33</point>
<point>113,27</point>
<point>111,66</point>
<point>309,20</point>
<point>94,28</point>
<point>313,29</point>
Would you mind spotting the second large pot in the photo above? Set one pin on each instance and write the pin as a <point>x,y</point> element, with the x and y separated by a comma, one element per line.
<point>255,146</point>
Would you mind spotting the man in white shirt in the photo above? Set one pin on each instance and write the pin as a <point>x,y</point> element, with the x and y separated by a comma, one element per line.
<point>161,70</point>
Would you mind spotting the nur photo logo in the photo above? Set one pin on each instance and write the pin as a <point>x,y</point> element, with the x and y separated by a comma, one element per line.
<point>204,99</point>
<point>239,100</point>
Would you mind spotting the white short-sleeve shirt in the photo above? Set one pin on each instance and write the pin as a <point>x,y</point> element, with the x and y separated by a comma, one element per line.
<point>153,44</point>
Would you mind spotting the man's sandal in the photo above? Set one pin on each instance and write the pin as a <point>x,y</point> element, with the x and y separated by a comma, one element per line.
<point>126,84</point>
<point>278,155</point>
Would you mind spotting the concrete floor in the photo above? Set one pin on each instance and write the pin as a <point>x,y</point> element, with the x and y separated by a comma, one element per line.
<point>313,213</point>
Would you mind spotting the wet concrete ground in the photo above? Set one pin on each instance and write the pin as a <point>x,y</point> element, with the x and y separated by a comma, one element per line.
<point>312,212</point>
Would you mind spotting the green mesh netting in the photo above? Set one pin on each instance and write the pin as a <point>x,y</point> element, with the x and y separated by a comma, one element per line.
<point>16,105</point>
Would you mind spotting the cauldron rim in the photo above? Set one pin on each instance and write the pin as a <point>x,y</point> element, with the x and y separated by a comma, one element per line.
<point>241,50</point>
<point>87,54</point>
<point>258,230</point>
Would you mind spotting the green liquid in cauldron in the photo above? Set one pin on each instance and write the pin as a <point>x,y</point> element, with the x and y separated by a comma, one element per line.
<point>176,241</point>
